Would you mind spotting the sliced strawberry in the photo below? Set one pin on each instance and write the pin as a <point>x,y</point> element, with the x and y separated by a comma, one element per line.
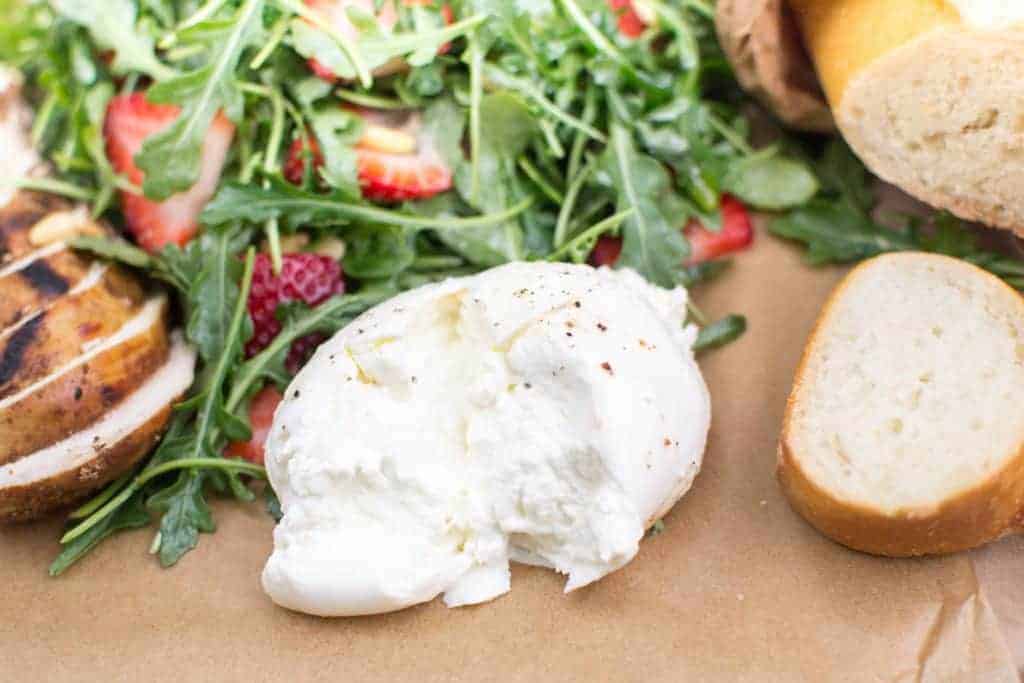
<point>336,11</point>
<point>304,149</point>
<point>130,120</point>
<point>261,418</point>
<point>631,23</point>
<point>397,160</point>
<point>606,252</point>
<point>737,233</point>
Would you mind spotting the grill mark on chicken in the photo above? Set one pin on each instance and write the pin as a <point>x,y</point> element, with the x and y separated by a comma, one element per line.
<point>91,279</point>
<point>149,315</point>
<point>14,350</point>
<point>44,279</point>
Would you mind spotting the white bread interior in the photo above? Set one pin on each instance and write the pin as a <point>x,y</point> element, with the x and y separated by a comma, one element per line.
<point>904,433</point>
<point>930,95</point>
<point>943,117</point>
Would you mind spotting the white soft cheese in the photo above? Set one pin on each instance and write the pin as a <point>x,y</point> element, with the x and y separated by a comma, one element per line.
<point>542,413</point>
<point>990,13</point>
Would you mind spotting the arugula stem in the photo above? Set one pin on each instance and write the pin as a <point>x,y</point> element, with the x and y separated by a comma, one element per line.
<point>202,14</point>
<point>274,243</point>
<point>180,54</point>
<point>151,473</point>
<point>371,101</point>
<point>531,171</point>
<point>569,205</point>
<point>270,164</point>
<point>277,33</point>
<point>407,42</point>
<point>579,144</point>
<point>205,426</point>
<point>109,492</point>
<point>696,314</point>
<point>607,225</point>
<point>54,186</point>
<point>730,135</point>
<point>588,213</point>
<point>98,516</point>
<point>475,96</point>
<point>42,120</point>
<point>369,214</point>
<point>237,466</point>
<point>551,137</point>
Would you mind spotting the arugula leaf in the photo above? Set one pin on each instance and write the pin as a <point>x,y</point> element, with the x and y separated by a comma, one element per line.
<point>842,174</point>
<point>113,249</point>
<point>115,27</point>
<point>209,269</point>
<point>378,252</point>
<point>653,242</point>
<point>131,515</point>
<point>506,130</point>
<point>771,182</point>
<point>185,514</point>
<point>170,159</point>
<point>720,333</point>
<point>300,208</point>
<point>337,131</point>
<point>833,234</point>
<point>272,503</point>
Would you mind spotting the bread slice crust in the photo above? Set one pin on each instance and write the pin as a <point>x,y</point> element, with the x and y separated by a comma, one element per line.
<point>975,515</point>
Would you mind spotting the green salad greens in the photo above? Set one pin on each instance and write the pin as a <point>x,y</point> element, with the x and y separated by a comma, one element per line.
<point>559,127</point>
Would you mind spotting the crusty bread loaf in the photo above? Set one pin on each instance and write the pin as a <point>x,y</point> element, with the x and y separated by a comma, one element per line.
<point>904,433</point>
<point>930,94</point>
<point>763,43</point>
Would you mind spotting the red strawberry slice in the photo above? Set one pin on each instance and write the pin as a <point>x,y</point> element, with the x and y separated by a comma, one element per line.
<point>261,418</point>
<point>310,278</point>
<point>302,151</point>
<point>396,160</point>
<point>336,12</point>
<point>736,234</point>
<point>606,252</point>
<point>631,24</point>
<point>130,120</point>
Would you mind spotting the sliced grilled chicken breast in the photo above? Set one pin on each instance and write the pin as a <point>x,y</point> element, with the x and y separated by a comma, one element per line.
<point>89,367</point>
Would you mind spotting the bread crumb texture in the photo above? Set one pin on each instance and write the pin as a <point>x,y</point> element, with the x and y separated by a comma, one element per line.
<point>943,117</point>
<point>910,391</point>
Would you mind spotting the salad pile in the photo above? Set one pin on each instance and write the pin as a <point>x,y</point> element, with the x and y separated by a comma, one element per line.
<point>282,165</point>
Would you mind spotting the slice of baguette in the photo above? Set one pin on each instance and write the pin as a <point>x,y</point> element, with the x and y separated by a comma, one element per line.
<point>904,433</point>
<point>930,94</point>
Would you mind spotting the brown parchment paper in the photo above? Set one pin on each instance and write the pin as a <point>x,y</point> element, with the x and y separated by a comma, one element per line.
<point>737,587</point>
